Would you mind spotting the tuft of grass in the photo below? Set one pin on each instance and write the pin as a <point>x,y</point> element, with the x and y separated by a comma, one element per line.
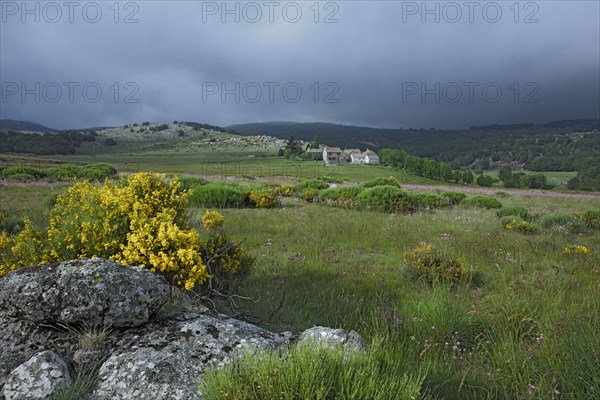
<point>92,345</point>
<point>313,372</point>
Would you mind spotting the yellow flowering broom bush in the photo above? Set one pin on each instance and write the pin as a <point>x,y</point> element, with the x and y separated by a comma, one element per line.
<point>431,264</point>
<point>139,220</point>
<point>22,251</point>
<point>225,261</point>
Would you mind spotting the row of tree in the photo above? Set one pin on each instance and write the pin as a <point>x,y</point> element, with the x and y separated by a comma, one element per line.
<point>425,167</point>
<point>444,172</point>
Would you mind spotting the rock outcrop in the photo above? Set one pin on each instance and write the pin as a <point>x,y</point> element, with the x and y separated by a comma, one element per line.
<point>46,313</point>
<point>94,291</point>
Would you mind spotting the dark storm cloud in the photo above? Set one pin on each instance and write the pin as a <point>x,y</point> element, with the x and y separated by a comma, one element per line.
<point>378,65</point>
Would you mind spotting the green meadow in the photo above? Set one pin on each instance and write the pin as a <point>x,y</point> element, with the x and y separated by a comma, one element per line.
<point>521,323</point>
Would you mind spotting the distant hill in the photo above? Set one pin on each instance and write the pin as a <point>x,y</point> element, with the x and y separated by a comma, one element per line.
<point>555,146</point>
<point>13,125</point>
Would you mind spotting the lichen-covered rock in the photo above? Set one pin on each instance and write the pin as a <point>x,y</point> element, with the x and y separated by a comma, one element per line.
<point>166,358</point>
<point>144,355</point>
<point>19,340</point>
<point>94,291</point>
<point>323,336</point>
<point>37,378</point>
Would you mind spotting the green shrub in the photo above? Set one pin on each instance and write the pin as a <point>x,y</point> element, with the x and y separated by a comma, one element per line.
<point>313,372</point>
<point>63,172</point>
<point>591,218</point>
<point>190,182</point>
<point>481,201</point>
<point>428,201</point>
<point>516,223</point>
<point>316,184</point>
<point>21,178</point>
<point>430,264</point>
<point>310,195</point>
<point>485,180</point>
<point>453,198</point>
<point>392,199</point>
<point>559,222</point>
<point>285,190</point>
<point>386,198</point>
<point>347,192</point>
<point>264,198</point>
<point>383,181</point>
<point>516,211</point>
<point>220,195</point>
<point>17,172</point>
<point>96,171</point>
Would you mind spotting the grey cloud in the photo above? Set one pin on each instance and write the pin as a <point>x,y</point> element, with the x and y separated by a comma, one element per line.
<point>370,55</point>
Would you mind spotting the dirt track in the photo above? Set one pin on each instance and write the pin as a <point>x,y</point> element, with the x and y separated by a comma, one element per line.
<point>517,192</point>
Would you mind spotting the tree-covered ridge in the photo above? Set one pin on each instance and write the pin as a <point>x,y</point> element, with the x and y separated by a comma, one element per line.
<point>46,143</point>
<point>555,146</point>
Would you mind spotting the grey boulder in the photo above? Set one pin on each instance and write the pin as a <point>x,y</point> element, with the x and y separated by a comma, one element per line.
<point>93,291</point>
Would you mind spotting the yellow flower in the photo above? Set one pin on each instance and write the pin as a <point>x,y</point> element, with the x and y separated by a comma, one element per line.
<point>577,250</point>
<point>212,219</point>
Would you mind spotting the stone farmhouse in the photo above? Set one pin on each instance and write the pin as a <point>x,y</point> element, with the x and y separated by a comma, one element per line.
<point>335,155</point>
<point>332,155</point>
<point>355,156</point>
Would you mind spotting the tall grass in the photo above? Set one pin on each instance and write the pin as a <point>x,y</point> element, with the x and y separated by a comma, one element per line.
<point>526,321</point>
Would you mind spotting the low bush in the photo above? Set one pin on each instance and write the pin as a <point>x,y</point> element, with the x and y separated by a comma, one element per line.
<point>22,171</point>
<point>562,222</point>
<point>591,218</point>
<point>347,192</point>
<point>516,223</point>
<point>453,198</point>
<point>220,195</point>
<point>516,211</point>
<point>21,177</point>
<point>96,171</point>
<point>432,265</point>
<point>481,201</point>
<point>285,190</point>
<point>264,198</point>
<point>316,184</point>
<point>392,199</point>
<point>310,195</point>
<point>383,181</point>
<point>60,172</point>
<point>63,172</point>
<point>140,220</point>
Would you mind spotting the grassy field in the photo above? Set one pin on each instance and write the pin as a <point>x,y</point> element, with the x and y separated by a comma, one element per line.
<point>522,324</point>
<point>263,165</point>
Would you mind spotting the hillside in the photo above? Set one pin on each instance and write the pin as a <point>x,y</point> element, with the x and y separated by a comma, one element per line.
<point>555,146</point>
<point>13,125</point>
<point>134,138</point>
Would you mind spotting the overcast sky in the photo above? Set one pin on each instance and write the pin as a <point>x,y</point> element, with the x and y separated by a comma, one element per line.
<point>377,63</point>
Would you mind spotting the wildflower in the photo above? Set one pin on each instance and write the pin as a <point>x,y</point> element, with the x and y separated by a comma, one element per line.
<point>577,250</point>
